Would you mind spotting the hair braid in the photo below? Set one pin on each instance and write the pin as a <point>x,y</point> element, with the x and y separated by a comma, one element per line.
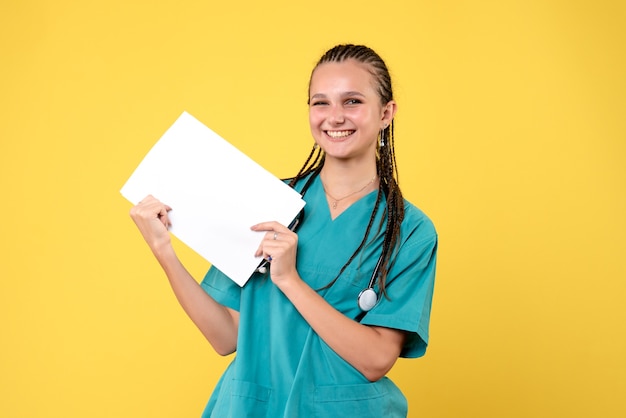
<point>388,174</point>
<point>385,162</point>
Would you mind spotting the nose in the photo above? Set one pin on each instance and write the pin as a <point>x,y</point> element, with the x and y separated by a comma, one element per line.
<point>336,115</point>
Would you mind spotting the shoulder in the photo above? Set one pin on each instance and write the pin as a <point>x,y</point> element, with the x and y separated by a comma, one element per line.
<point>416,254</point>
<point>416,226</point>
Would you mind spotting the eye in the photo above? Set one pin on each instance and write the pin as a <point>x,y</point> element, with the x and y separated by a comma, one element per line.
<point>353,101</point>
<point>318,103</point>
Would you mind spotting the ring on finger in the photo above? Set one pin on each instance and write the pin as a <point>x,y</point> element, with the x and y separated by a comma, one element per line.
<point>275,235</point>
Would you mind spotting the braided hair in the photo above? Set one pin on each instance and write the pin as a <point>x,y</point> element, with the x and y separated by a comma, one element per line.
<point>385,160</point>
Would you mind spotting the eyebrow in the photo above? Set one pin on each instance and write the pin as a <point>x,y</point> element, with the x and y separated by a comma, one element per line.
<point>344,94</point>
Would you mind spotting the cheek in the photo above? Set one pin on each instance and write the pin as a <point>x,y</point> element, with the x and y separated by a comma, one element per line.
<point>315,119</point>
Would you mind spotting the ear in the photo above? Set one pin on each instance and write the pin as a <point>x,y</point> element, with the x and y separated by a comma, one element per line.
<point>389,111</point>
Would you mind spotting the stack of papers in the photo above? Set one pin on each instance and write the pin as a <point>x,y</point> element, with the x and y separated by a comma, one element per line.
<point>216,194</point>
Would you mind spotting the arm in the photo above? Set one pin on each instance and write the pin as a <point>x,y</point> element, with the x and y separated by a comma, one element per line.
<point>371,350</point>
<point>217,323</point>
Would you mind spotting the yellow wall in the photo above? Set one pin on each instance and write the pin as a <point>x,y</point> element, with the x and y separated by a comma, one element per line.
<point>511,136</point>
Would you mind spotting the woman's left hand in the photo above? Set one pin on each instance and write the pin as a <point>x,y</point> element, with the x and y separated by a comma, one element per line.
<point>279,246</point>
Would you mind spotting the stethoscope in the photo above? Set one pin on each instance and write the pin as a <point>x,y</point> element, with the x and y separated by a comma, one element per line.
<point>368,297</point>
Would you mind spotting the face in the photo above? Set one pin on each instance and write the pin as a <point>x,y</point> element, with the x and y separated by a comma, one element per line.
<point>345,111</point>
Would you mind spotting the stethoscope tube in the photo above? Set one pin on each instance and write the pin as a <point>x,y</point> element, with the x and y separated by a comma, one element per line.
<point>368,297</point>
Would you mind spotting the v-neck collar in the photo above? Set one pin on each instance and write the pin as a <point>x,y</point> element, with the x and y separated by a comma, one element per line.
<point>317,188</point>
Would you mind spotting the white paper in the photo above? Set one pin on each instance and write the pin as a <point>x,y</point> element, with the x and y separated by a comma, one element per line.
<point>216,193</point>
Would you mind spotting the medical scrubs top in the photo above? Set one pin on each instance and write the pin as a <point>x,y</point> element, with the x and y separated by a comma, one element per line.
<point>282,368</point>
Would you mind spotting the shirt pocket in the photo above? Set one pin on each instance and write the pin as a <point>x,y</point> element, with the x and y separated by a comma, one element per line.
<point>245,399</point>
<point>358,400</point>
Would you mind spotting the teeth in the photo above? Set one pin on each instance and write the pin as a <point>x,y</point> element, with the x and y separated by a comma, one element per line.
<point>339,134</point>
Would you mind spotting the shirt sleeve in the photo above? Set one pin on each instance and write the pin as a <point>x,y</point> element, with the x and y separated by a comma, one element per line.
<point>410,285</point>
<point>221,288</point>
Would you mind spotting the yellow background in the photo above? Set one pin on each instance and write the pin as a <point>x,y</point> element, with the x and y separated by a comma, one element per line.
<point>511,135</point>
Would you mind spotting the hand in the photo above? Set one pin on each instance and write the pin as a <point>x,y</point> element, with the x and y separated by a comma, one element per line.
<point>279,246</point>
<point>150,216</point>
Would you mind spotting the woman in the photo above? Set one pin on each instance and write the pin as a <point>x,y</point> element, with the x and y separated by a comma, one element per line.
<point>305,345</point>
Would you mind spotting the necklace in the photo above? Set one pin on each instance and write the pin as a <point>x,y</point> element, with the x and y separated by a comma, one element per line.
<point>337,200</point>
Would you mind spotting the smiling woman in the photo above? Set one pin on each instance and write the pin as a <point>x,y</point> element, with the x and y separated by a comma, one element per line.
<point>323,353</point>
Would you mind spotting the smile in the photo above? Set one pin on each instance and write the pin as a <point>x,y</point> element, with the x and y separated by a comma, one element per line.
<point>339,134</point>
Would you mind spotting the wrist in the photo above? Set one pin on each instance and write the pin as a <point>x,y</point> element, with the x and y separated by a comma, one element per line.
<point>163,251</point>
<point>291,286</point>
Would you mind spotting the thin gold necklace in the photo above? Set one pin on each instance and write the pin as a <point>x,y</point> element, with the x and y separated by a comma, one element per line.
<point>336,201</point>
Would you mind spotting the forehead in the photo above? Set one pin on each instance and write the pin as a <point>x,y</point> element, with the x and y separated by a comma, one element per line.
<point>348,75</point>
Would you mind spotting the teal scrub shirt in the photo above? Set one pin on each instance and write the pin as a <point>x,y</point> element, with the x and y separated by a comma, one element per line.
<point>282,368</point>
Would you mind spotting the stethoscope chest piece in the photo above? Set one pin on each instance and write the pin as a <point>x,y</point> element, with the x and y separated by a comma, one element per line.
<point>367,299</point>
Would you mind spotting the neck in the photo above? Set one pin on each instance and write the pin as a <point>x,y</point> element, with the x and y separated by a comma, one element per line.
<point>344,185</point>
<point>342,178</point>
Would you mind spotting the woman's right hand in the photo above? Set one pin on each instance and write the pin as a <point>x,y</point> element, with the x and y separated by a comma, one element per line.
<point>150,216</point>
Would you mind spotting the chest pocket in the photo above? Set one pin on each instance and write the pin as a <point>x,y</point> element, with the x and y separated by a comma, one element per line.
<point>242,399</point>
<point>342,295</point>
<point>376,399</point>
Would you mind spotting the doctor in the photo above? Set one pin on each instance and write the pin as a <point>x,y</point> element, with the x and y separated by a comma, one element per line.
<point>306,344</point>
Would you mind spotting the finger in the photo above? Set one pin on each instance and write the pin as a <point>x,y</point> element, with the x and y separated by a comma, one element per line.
<point>271,244</point>
<point>269,226</point>
<point>162,215</point>
<point>150,208</point>
<point>265,226</point>
<point>265,247</point>
<point>272,236</point>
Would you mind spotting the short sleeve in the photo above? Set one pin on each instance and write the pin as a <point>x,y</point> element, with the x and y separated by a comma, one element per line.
<point>221,288</point>
<point>410,286</point>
